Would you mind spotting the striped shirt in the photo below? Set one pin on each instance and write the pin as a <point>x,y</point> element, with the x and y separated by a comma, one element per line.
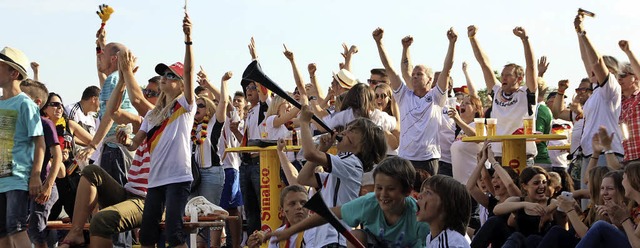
<point>448,239</point>
<point>138,174</point>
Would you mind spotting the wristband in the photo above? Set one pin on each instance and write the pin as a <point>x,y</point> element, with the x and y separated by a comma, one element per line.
<point>609,152</point>
<point>188,43</point>
<point>626,219</point>
<point>560,92</point>
<point>572,209</point>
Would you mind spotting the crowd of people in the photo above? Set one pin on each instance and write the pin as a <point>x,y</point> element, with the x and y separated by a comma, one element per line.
<point>126,158</point>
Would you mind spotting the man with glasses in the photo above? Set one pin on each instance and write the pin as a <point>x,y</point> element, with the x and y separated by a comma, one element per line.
<point>83,112</point>
<point>378,76</point>
<point>151,91</point>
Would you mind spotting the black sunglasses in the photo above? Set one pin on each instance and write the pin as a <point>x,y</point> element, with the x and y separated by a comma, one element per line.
<point>55,104</point>
<point>371,81</point>
<point>150,93</point>
<point>201,105</point>
<point>383,95</point>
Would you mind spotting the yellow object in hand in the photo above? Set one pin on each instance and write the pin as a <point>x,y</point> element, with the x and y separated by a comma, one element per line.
<point>104,12</point>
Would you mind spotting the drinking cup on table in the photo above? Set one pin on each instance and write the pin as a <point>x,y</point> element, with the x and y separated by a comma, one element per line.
<point>528,125</point>
<point>480,128</point>
<point>491,126</point>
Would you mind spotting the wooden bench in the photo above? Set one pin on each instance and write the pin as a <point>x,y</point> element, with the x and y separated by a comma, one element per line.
<point>215,222</point>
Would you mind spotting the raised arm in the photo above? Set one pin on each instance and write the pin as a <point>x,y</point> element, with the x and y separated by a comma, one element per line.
<point>512,188</point>
<point>595,61</point>
<point>443,78</point>
<point>558,109</point>
<point>531,70</point>
<point>405,65</point>
<point>310,152</point>
<point>188,60</point>
<point>314,82</point>
<point>624,45</point>
<point>304,99</point>
<point>203,81</point>
<point>543,65</point>
<point>489,78</point>
<point>394,79</point>
<point>470,86</point>
<point>127,66</point>
<point>35,68</point>
<point>290,172</point>
<point>223,101</point>
<point>263,92</point>
<point>472,182</point>
<point>347,54</point>
<point>101,43</point>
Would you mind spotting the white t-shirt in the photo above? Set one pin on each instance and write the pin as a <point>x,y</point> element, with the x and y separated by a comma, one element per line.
<point>448,238</point>
<point>228,139</point>
<point>339,186</point>
<point>170,145</point>
<point>510,111</point>
<point>419,123</point>
<point>464,157</point>
<point>576,133</point>
<point>342,118</point>
<point>203,153</point>
<point>75,113</point>
<point>446,136</point>
<point>292,240</point>
<point>559,157</point>
<point>275,133</point>
<point>253,122</point>
<point>603,109</point>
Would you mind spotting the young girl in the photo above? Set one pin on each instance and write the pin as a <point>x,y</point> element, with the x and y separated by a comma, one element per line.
<point>386,216</point>
<point>167,130</point>
<point>603,234</point>
<point>463,154</point>
<point>363,144</point>
<point>445,204</point>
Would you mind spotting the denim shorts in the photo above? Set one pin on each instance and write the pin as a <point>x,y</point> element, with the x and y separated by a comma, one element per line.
<point>173,197</point>
<point>38,218</point>
<point>14,212</point>
<point>211,184</point>
<point>231,194</point>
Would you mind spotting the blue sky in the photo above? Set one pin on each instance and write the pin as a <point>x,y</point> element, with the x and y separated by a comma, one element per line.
<point>60,35</point>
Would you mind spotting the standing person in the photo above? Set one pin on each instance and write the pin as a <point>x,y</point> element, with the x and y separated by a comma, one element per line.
<point>420,107</point>
<point>23,150</point>
<point>378,76</point>
<point>151,91</point>
<point>40,207</point>
<point>209,120</point>
<point>543,117</point>
<point>167,131</point>
<point>257,96</point>
<point>385,102</point>
<point>630,114</point>
<point>83,112</point>
<point>511,101</point>
<point>604,106</point>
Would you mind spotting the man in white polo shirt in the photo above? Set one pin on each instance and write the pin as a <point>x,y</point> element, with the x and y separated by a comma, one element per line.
<point>420,108</point>
<point>511,101</point>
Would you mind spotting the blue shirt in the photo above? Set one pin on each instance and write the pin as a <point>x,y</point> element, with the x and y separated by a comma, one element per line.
<point>105,93</point>
<point>366,211</point>
<point>19,124</point>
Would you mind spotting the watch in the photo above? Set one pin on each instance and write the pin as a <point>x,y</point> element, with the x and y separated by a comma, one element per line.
<point>311,98</point>
<point>609,152</point>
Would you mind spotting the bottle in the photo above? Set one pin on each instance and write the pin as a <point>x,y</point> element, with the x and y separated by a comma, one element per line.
<point>294,137</point>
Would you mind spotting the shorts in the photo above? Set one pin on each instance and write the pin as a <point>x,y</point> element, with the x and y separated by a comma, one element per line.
<point>14,212</point>
<point>38,218</point>
<point>231,194</point>
<point>211,184</point>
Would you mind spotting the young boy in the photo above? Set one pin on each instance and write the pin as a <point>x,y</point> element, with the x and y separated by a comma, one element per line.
<point>387,215</point>
<point>293,199</point>
<point>41,206</point>
<point>21,150</point>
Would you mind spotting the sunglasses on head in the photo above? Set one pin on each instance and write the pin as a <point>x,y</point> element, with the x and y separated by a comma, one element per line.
<point>171,76</point>
<point>383,95</point>
<point>150,93</point>
<point>201,105</point>
<point>55,104</point>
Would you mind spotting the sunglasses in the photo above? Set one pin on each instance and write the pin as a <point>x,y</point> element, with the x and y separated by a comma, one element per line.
<point>371,81</point>
<point>578,90</point>
<point>382,96</point>
<point>296,92</point>
<point>150,93</point>
<point>55,104</point>
<point>171,76</point>
<point>252,87</point>
<point>624,74</point>
<point>201,105</point>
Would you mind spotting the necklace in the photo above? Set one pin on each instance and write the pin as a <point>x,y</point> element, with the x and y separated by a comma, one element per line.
<point>203,131</point>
